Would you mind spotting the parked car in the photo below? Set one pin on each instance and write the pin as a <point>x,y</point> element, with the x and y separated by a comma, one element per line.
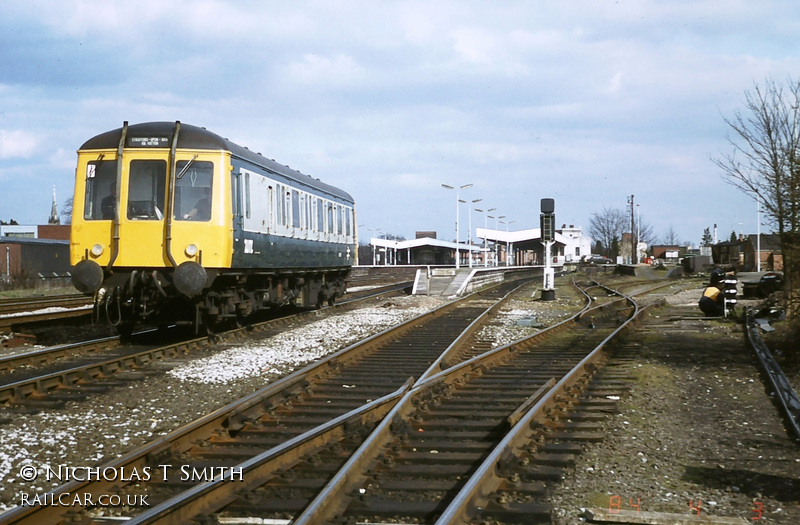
<point>595,260</point>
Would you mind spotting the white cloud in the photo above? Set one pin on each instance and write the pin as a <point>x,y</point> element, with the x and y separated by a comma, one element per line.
<point>17,144</point>
<point>325,71</point>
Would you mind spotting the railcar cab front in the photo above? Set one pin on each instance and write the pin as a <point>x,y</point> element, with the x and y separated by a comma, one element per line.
<point>149,218</point>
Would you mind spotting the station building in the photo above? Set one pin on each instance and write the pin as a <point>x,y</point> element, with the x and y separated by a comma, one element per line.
<point>493,248</point>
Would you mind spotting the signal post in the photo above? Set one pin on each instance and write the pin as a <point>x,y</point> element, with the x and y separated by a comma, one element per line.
<point>547,221</point>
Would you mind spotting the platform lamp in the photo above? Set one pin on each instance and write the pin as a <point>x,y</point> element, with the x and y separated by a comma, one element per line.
<point>458,200</point>
<point>496,254</point>
<point>374,233</point>
<point>547,221</point>
<point>469,237</point>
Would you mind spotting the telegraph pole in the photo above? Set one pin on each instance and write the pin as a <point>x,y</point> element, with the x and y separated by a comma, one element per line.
<point>634,240</point>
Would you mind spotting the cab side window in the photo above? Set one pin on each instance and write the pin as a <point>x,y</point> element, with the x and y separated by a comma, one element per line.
<point>100,197</point>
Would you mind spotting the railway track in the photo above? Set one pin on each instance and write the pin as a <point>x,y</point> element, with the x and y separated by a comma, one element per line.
<point>26,304</point>
<point>446,448</point>
<point>99,364</point>
<point>374,380</point>
<point>294,417</point>
<point>278,426</point>
<point>786,397</point>
<point>17,312</point>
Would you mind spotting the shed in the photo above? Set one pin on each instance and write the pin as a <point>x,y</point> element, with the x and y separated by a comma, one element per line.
<point>22,258</point>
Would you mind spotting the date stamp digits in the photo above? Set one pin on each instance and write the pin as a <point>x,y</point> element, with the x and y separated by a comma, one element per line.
<point>616,504</point>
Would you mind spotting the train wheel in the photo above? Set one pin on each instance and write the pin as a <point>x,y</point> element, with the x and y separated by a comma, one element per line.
<point>204,323</point>
<point>125,329</point>
<point>206,328</point>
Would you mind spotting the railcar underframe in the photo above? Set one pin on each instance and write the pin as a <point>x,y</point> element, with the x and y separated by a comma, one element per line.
<point>133,296</point>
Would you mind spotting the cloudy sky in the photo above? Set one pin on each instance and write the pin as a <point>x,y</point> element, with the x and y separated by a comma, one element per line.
<point>586,102</point>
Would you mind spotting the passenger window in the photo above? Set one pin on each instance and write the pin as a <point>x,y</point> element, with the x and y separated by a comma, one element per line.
<point>295,209</point>
<point>101,190</point>
<point>279,204</point>
<point>146,184</point>
<point>247,194</point>
<point>193,190</point>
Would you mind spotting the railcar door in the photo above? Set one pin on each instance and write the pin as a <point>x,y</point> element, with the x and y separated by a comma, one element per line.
<point>141,228</point>
<point>238,220</point>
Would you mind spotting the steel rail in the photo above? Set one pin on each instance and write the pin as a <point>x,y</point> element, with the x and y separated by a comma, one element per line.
<point>39,387</point>
<point>23,304</point>
<point>231,417</point>
<point>475,494</point>
<point>47,355</point>
<point>9,321</point>
<point>332,497</point>
<point>210,496</point>
<point>785,394</point>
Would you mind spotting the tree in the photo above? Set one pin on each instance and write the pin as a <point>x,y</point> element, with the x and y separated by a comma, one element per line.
<point>765,164</point>
<point>707,238</point>
<point>606,227</point>
<point>66,211</point>
<point>645,232</point>
<point>733,237</point>
<point>671,237</point>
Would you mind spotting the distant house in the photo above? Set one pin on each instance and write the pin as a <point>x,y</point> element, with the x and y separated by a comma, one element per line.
<point>668,252</point>
<point>770,253</point>
<point>729,254</point>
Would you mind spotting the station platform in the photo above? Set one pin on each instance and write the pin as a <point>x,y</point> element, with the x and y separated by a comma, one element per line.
<point>449,282</point>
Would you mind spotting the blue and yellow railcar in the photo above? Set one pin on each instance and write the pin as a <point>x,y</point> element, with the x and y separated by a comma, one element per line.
<point>174,224</point>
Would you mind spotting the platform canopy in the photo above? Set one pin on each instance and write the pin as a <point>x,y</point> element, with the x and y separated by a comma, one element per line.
<point>424,250</point>
<point>520,239</point>
<point>425,241</point>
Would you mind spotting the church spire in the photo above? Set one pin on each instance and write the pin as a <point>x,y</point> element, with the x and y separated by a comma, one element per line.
<point>54,219</point>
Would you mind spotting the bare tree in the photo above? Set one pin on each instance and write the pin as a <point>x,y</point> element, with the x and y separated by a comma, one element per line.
<point>645,232</point>
<point>671,237</point>
<point>66,211</point>
<point>765,164</point>
<point>606,227</point>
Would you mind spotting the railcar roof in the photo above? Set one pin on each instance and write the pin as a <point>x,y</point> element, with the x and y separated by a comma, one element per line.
<point>194,137</point>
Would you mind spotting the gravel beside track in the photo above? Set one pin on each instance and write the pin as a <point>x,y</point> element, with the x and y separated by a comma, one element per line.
<point>697,425</point>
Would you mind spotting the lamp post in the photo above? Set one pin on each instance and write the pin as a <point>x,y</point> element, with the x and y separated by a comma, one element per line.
<point>358,243</point>
<point>509,248</point>
<point>469,237</point>
<point>457,188</point>
<point>485,239</point>
<point>496,255</point>
<point>638,232</point>
<point>374,231</point>
<point>758,234</point>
